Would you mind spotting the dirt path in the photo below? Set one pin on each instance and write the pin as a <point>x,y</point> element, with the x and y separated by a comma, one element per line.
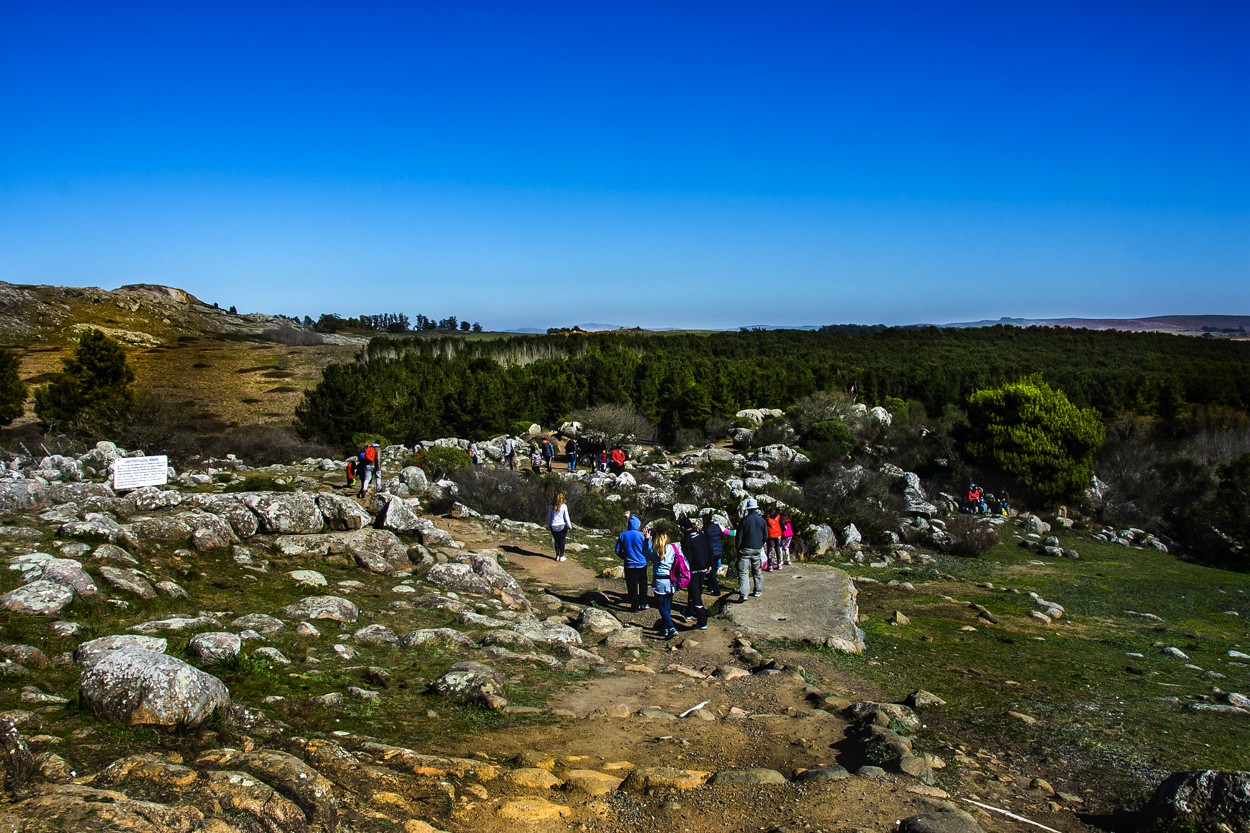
<point>762,720</point>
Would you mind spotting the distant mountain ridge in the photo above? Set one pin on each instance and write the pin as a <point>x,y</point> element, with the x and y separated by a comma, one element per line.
<point>1178,324</point>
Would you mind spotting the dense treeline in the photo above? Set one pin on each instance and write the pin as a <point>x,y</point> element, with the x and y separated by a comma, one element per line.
<point>389,322</point>
<point>409,391</point>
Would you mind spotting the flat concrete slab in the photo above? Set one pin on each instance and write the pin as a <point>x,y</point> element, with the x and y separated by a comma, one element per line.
<point>802,603</point>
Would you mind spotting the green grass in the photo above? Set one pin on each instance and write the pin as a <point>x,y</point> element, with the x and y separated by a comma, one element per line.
<point>1100,711</point>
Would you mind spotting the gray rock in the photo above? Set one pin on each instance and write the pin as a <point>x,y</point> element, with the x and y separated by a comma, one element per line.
<point>213,647</point>
<point>375,635</point>
<point>242,520</point>
<point>308,578</point>
<point>128,581</point>
<point>851,536</point>
<point>171,589</point>
<point>824,773</point>
<point>42,598</point>
<point>414,478</point>
<point>749,776</point>
<point>341,513</point>
<point>262,623</point>
<point>944,819</point>
<point>550,634</point>
<point>400,515</point>
<point>282,513</point>
<point>1205,801</point>
<point>208,531</point>
<point>112,552</point>
<point>272,654</point>
<point>377,550</point>
<point>825,612</point>
<point>151,498</point>
<point>629,637</point>
<point>70,573</point>
<point>600,623</point>
<point>175,623</point>
<point>144,688</point>
<point>89,653</point>
<point>334,608</point>
<point>449,637</point>
<point>473,683</point>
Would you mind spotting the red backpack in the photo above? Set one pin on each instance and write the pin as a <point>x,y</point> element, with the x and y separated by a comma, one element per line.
<point>371,455</point>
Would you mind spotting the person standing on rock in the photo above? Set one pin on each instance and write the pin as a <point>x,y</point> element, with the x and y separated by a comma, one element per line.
<point>509,453</point>
<point>662,586</point>
<point>750,536</point>
<point>634,548</point>
<point>698,553</point>
<point>559,524</point>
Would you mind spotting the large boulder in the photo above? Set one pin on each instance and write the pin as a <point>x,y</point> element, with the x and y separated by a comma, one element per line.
<point>128,581</point>
<point>214,646</point>
<point>208,531</point>
<point>145,688</point>
<point>474,684</point>
<point>821,538</point>
<point>70,573</point>
<point>377,550</point>
<point>341,513</point>
<point>1204,801</point>
<point>400,514</point>
<point>282,513</point>
<point>242,520</point>
<point>780,455</point>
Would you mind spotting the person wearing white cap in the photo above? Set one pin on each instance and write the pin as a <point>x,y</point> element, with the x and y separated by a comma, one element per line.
<point>751,534</point>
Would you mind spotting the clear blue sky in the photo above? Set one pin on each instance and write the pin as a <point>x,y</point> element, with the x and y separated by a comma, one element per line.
<point>663,164</point>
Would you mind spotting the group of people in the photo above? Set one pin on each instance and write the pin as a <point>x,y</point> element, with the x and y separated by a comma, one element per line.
<point>978,502</point>
<point>543,454</point>
<point>699,551</point>
<point>365,466</point>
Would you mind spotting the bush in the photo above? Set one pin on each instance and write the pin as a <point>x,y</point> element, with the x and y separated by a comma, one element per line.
<point>617,422</point>
<point>856,495</point>
<point>293,336</point>
<point>774,431</point>
<point>508,494</point>
<point>363,438</point>
<point>258,483</point>
<point>13,390</point>
<point>819,407</point>
<point>265,445</point>
<point>970,537</point>
<point>439,462</point>
<point>1032,432</point>
<point>92,393</point>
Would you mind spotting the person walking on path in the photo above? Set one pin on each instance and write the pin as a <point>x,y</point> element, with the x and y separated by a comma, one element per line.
<point>549,453</point>
<point>716,541</point>
<point>570,451</point>
<point>698,553</point>
<point>772,554</point>
<point>559,524</point>
<point>634,548</point>
<point>508,448</point>
<point>662,555</point>
<point>751,534</point>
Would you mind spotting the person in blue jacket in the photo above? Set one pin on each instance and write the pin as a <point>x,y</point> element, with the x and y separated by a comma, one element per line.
<point>633,546</point>
<point>715,538</point>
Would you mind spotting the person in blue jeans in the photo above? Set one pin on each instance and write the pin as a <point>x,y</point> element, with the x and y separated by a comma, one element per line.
<point>570,451</point>
<point>662,585</point>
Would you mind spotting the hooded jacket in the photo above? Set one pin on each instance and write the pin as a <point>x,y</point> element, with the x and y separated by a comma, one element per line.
<point>632,546</point>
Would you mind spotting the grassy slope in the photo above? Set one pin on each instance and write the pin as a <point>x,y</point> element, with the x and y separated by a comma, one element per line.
<point>1100,711</point>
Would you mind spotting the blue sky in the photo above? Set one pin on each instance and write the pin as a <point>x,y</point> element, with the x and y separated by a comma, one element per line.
<point>663,164</point>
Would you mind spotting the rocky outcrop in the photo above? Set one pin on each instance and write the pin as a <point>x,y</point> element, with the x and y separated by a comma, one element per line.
<point>1203,801</point>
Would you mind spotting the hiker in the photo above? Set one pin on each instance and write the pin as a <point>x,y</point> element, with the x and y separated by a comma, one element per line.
<point>570,452</point>
<point>508,448</point>
<point>787,538</point>
<point>616,460</point>
<point>715,540</point>
<point>351,472</point>
<point>772,550</point>
<point>698,553</point>
<point>662,586</point>
<point>559,524</point>
<point>1004,504</point>
<point>474,455</point>
<point>549,453</point>
<point>752,532</point>
<point>371,458</point>
<point>536,459</point>
<point>602,457</point>
<point>633,546</point>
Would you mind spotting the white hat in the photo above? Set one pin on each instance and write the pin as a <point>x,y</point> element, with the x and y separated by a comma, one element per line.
<point>751,504</point>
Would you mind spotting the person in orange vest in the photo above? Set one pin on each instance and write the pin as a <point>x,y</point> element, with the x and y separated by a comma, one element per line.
<point>772,551</point>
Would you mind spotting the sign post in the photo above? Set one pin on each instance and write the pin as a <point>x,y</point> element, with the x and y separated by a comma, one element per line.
<point>135,472</point>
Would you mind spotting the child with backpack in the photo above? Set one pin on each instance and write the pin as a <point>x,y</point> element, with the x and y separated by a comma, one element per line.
<point>663,583</point>
<point>351,473</point>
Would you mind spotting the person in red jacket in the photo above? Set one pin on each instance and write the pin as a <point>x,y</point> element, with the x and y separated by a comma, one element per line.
<point>772,550</point>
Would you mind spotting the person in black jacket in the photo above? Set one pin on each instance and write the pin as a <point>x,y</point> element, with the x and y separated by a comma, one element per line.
<point>694,547</point>
<point>750,538</point>
<point>716,541</point>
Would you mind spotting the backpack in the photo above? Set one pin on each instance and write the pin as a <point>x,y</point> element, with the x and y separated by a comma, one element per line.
<point>370,454</point>
<point>680,572</point>
<point>362,458</point>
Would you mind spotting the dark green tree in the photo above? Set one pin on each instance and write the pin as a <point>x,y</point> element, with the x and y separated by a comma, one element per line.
<point>92,393</point>
<point>13,391</point>
<point>1032,432</point>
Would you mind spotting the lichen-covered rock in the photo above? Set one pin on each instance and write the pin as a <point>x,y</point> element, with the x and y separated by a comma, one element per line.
<point>214,646</point>
<point>262,623</point>
<point>597,622</point>
<point>311,790</point>
<point>283,513</point>
<point>400,515</point>
<point>75,807</point>
<point>334,608</point>
<point>473,683</point>
<point>449,637</point>
<point>42,598</point>
<point>128,581</point>
<point>377,550</point>
<point>89,653</point>
<point>145,688</point>
<point>1204,801</point>
<point>241,518</point>
<point>208,531</point>
<point>341,513</point>
<point>459,577</point>
<point>550,634</point>
<point>70,573</point>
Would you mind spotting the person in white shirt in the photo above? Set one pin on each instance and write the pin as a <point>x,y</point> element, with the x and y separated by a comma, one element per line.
<point>559,524</point>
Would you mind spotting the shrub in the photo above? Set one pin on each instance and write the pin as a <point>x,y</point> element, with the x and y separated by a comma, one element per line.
<point>616,421</point>
<point>508,494</point>
<point>969,536</point>
<point>13,390</point>
<point>820,407</point>
<point>363,438</point>
<point>439,462</point>
<point>1031,431</point>
<point>774,431</point>
<point>258,483</point>
<point>265,445</point>
<point>856,495</point>
<point>91,395</point>
<point>293,336</point>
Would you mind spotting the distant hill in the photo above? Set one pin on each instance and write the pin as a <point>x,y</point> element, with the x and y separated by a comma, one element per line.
<point>1230,325</point>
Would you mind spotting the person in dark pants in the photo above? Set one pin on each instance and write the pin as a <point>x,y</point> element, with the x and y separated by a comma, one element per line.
<point>694,547</point>
<point>751,534</point>
<point>633,546</point>
<point>715,534</point>
<point>559,524</point>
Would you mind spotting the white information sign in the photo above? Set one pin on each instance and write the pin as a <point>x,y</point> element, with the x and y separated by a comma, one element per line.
<point>133,472</point>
